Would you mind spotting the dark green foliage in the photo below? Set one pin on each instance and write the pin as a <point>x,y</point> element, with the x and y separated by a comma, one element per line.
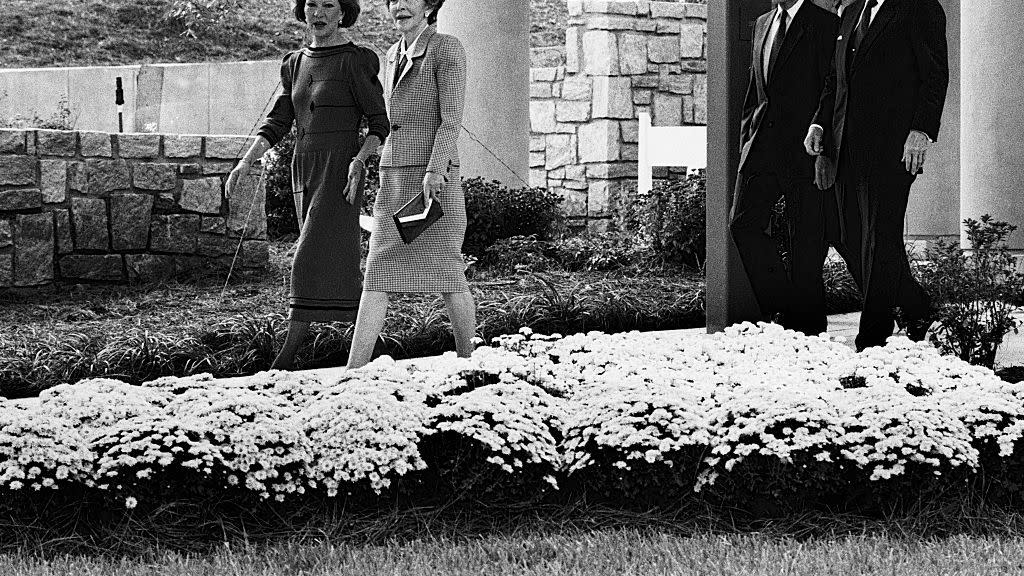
<point>974,292</point>
<point>669,221</point>
<point>586,252</point>
<point>494,212</point>
<point>277,165</point>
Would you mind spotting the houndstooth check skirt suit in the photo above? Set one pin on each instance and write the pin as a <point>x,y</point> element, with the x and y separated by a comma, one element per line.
<point>425,109</point>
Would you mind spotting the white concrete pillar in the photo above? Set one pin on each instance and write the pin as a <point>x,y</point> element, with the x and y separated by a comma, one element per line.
<point>992,147</point>
<point>496,34</point>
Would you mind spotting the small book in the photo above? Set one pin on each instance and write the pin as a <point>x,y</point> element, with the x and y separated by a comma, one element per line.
<point>416,216</point>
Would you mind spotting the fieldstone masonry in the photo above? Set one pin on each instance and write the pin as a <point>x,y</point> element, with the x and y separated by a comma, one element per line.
<point>621,58</point>
<point>91,206</point>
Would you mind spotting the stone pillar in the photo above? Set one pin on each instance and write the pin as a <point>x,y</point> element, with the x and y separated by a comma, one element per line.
<point>934,208</point>
<point>992,149</point>
<point>496,34</point>
<point>730,31</point>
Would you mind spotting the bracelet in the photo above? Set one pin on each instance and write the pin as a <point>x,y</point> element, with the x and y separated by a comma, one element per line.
<point>356,159</point>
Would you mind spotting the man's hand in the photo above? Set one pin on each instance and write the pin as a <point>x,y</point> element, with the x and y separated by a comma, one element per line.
<point>914,151</point>
<point>432,185</point>
<point>356,174</point>
<point>813,142</point>
<point>824,175</point>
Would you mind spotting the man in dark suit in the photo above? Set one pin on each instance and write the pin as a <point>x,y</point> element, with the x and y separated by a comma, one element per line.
<point>880,109</point>
<point>792,53</point>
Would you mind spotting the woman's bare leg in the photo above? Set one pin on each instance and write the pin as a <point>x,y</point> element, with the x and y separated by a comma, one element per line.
<point>286,357</point>
<point>462,313</point>
<point>373,308</point>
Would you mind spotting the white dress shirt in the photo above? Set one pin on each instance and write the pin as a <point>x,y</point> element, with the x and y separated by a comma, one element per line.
<point>773,29</point>
<point>874,11</point>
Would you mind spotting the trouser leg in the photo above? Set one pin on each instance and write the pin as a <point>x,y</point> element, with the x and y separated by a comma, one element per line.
<point>808,247</point>
<point>753,202</point>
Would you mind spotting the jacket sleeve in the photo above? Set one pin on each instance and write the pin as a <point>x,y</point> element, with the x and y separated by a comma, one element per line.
<point>279,120</point>
<point>827,102</point>
<point>749,105</point>
<point>928,34</point>
<point>369,94</point>
<point>450,75</point>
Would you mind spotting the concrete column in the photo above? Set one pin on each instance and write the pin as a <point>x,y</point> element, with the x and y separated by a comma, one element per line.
<point>730,31</point>
<point>496,34</point>
<point>934,208</point>
<point>991,146</point>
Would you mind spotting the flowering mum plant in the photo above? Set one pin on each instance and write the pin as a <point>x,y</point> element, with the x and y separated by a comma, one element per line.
<point>754,410</point>
<point>38,451</point>
<point>366,428</point>
<point>503,407</point>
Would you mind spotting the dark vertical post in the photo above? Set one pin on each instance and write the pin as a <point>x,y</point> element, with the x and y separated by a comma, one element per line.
<point>730,33</point>
<point>119,101</point>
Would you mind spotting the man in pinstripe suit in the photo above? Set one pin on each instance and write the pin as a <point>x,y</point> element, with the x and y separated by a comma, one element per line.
<point>881,107</point>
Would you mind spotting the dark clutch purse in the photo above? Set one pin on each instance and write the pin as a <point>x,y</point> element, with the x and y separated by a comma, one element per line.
<point>416,216</point>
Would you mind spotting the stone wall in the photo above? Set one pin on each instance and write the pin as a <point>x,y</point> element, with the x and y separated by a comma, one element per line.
<point>621,58</point>
<point>94,206</point>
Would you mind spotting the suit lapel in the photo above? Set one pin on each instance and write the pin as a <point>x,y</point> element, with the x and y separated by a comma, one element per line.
<point>760,35</point>
<point>885,15</point>
<point>418,50</point>
<point>792,38</point>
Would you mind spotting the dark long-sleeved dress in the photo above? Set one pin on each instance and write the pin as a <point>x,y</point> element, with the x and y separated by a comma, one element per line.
<point>326,92</point>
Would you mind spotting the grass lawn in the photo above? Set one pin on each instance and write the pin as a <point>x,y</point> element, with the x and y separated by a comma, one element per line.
<point>595,553</point>
<point>121,32</point>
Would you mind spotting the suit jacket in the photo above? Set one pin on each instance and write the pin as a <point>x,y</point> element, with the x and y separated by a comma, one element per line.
<point>895,84</point>
<point>776,113</point>
<point>425,105</point>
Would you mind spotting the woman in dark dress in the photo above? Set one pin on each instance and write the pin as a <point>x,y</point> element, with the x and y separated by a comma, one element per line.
<point>327,88</point>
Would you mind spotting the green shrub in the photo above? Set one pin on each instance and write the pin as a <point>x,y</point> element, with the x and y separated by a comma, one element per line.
<point>975,293</point>
<point>494,212</point>
<point>605,252</point>
<point>520,252</point>
<point>670,220</point>
<point>277,166</point>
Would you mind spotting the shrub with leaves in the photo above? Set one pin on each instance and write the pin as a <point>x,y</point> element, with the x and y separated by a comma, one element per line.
<point>975,292</point>
<point>494,212</point>
<point>669,220</point>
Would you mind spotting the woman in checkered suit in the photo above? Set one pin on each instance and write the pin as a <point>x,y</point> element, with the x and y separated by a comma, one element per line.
<point>424,89</point>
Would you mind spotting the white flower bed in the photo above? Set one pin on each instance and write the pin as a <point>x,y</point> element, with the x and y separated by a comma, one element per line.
<point>560,406</point>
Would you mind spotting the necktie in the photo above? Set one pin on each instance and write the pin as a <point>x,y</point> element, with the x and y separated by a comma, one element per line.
<point>398,70</point>
<point>861,30</point>
<point>780,35</point>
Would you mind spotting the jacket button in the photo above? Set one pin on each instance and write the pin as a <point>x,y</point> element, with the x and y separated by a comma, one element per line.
<point>395,126</point>
<point>771,124</point>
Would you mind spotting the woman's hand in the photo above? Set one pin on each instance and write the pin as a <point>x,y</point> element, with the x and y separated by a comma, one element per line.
<point>241,171</point>
<point>356,178</point>
<point>432,185</point>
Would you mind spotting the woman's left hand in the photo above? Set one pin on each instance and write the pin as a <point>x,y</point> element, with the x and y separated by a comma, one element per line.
<point>432,185</point>
<point>356,180</point>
